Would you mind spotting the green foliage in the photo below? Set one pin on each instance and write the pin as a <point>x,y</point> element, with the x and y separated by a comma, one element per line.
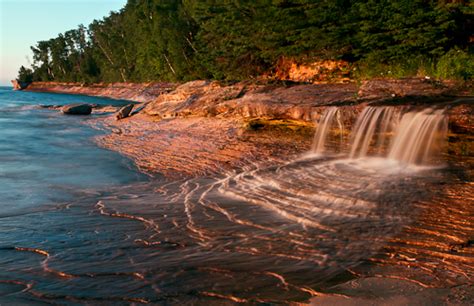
<point>455,64</point>
<point>410,66</point>
<point>165,40</point>
<point>25,75</point>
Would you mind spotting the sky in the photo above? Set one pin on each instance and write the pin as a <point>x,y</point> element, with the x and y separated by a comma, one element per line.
<point>24,22</point>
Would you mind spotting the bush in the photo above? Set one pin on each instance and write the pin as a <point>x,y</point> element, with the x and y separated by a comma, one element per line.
<point>408,67</point>
<point>455,64</point>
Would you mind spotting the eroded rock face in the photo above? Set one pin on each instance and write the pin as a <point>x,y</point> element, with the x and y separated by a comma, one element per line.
<point>246,100</point>
<point>192,98</point>
<point>209,99</point>
<point>298,102</point>
<point>315,71</point>
<point>77,109</point>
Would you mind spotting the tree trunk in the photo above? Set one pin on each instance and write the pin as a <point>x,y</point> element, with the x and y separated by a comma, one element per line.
<point>169,64</point>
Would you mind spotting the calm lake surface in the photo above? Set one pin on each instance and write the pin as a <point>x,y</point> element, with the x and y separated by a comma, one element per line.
<point>79,224</point>
<point>45,157</point>
<point>47,160</point>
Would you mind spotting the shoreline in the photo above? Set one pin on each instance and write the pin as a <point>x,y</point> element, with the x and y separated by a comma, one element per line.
<point>365,90</point>
<point>247,122</point>
<point>136,92</point>
<point>256,122</point>
<point>202,129</point>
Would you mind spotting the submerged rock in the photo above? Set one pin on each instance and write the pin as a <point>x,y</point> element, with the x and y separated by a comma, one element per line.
<point>77,109</point>
<point>124,112</point>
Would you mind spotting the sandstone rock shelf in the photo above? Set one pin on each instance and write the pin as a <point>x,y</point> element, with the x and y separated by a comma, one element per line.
<point>202,126</point>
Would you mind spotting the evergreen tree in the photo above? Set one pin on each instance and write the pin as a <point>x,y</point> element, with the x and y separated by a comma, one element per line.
<point>25,75</point>
<point>150,40</point>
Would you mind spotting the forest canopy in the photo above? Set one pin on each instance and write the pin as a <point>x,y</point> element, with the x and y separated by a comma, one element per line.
<point>166,40</point>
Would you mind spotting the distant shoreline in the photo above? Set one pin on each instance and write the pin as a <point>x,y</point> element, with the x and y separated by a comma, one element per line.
<point>137,92</point>
<point>147,92</point>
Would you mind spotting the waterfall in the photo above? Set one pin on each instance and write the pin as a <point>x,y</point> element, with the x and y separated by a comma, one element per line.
<point>324,126</point>
<point>390,120</point>
<point>411,139</point>
<point>419,136</point>
<point>370,121</point>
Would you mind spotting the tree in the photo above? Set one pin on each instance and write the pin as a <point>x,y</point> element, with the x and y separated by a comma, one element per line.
<point>25,75</point>
<point>151,40</point>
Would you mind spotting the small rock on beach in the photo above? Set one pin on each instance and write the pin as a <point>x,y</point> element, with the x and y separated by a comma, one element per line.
<point>77,109</point>
<point>124,112</point>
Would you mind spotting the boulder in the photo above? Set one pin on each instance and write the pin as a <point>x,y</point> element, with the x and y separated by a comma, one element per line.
<point>77,109</point>
<point>124,112</point>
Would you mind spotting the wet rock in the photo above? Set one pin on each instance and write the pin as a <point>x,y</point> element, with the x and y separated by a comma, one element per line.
<point>77,109</point>
<point>124,112</point>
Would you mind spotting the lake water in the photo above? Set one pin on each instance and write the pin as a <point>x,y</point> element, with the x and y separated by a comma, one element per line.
<point>47,161</point>
<point>46,157</point>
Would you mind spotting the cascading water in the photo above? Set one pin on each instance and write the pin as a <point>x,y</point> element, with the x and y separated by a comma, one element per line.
<point>412,139</point>
<point>324,127</point>
<point>419,136</point>
<point>372,120</point>
<point>390,120</point>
